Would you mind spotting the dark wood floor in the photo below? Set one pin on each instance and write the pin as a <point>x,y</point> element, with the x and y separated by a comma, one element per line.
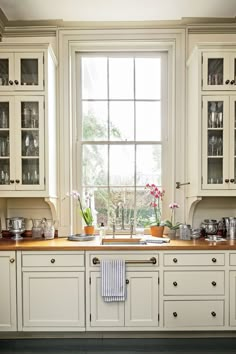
<point>118,346</point>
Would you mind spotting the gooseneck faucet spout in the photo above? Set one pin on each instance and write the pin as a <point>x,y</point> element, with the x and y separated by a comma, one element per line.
<point>131,228</point>
<point>113,228</point>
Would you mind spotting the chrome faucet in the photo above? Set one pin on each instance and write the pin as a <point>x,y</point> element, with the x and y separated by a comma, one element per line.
<point>131,228</point>
<point>113,228</point>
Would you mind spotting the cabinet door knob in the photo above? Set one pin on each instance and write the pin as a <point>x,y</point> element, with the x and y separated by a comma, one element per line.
<point>213,283</point>
<point>12,260</point>
<point>175,314</point>
<point>175,283</point>
<point>53,260</point>
<point>11,181</point>
<point>232,82</point>
<point>127,281</point>
<point>213,314</point>
<point>10,82</point>
<point>227,82</point>
<point>16,82</point>
<point>214,260</point>
<point>231,180</point>
<point>226,180</point>
<point>175,260</point>
<point>17,181</point>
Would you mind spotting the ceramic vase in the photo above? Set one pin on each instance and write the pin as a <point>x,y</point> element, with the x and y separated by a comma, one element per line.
<point>89,230</point>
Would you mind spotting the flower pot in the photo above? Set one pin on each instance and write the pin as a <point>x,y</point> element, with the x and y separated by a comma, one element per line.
<point>89,230</point>
<point>157,231</point>
<point>172,234</point>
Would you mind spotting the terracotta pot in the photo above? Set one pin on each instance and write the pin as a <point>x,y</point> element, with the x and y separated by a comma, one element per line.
<point>89,230</point>
<point>157,231</point>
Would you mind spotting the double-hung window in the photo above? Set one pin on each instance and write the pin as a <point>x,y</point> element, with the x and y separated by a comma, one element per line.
<point>121,119</point>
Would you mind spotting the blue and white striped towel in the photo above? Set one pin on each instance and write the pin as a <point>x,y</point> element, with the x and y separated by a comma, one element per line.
<point>113,280</point>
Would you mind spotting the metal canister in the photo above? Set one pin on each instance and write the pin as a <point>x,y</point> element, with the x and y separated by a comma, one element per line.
<point>232,228</point>
<point>184,232</point>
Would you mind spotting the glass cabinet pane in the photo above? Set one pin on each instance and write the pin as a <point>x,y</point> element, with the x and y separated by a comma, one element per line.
<point>30,171</point>
<point>215,142</point>
<point>215,71</point>
<point>4,115</point>
<point>29,72</point>
<point>29,114</point>
<point>4,171</point>
<point>4,72</point>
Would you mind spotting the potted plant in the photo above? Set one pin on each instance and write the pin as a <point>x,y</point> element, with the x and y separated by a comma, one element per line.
<point>170,223</point>
<point>86,214</point>
<point>155,224</point>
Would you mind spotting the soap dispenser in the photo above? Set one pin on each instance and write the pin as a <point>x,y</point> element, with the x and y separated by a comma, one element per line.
<point>102,231</point>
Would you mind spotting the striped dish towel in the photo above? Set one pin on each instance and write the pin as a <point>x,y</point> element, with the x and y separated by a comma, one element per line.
<point>113,280</point>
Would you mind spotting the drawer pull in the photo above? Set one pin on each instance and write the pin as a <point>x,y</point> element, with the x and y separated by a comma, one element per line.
<point>53,260</point>
<point>213,314</point>
<point>175,314</point>
<point>214,260</point>
<point>175,260</point>
<point>12,260</point>
<point>175,283</point>
<point>213,283</point>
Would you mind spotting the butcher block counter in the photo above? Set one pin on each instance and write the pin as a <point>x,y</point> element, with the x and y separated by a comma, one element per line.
<point>62,243</point>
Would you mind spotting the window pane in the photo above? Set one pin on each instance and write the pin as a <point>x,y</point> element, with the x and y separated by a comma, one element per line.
<point>122,207</point>
<point>147,78</point>
<point>148,121</point>
<point>121,78</point>
<point>148,164</point>
<point>122,121</point>
<point>94,122</point>
<point>94,159</point>
<point>122,165</point>
<point>94,78</point>
<point>143,210</point>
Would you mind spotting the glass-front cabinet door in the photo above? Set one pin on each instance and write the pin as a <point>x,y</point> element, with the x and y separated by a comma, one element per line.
<point>219,71</point>
<point>232,143</point>
<point>22,143</point>
<point>21,71</point>
<point>215,142</point>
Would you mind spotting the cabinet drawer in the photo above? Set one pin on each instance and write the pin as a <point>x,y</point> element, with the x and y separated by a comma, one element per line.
<point>193,313</point>
<point>232,259</point>
<point>191,259</point>
<point>194,283</point>
<point>53,260</point>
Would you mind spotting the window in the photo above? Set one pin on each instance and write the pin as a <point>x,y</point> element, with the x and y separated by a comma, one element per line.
<point>122,119</point>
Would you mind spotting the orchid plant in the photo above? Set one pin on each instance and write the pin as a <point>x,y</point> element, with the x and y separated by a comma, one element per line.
<point>86,212</point>
<point>157,195</point>
<point>170,223</point>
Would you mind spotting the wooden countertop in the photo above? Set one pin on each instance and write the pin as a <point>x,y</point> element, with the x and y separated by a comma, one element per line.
<point>62,243</point>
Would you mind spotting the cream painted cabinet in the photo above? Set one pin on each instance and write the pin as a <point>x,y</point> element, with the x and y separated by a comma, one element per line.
<point>27,121</point>
<point>53,292</point>
<point>8,291</point>
<point>140,310</point>
<point>219,70</point>
<point>21,70</point>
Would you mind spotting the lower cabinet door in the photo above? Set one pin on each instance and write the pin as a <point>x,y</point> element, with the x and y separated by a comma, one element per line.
<point>53,300</point>
<point>190,313</point>
<point>103,314</point>
<point>141,306</point>
<point>232,298</point>
<point>8,291</point>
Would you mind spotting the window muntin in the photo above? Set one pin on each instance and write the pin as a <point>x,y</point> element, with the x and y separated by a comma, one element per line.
<point>122,105</point>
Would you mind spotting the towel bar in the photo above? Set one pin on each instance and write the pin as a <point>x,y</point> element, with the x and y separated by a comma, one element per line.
<point>151,260</point>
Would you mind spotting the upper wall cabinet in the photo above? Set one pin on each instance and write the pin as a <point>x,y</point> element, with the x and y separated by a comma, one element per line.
<point>21,71</point>
<point>211,117</point>
<point>219,71</point>
<point>27,121</point>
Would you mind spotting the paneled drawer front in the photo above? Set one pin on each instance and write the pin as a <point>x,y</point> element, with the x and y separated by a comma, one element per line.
<point>194,283</point>
<point>191,259</point>
<point>193,313</point>
<point>150,260</point>
<point>232,259</point>
<point>53,260</point>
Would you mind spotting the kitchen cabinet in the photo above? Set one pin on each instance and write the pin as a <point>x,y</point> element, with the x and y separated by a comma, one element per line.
<point>219,70</point>
<point>193,297</point>
<point>211,113</point>
<point>218,142</point>
<point>139,311</point>
<point>28,157</point>
<point>8,291</point>
<point>22,143</point>
<point>21,71</point>
<point>53,292</point>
